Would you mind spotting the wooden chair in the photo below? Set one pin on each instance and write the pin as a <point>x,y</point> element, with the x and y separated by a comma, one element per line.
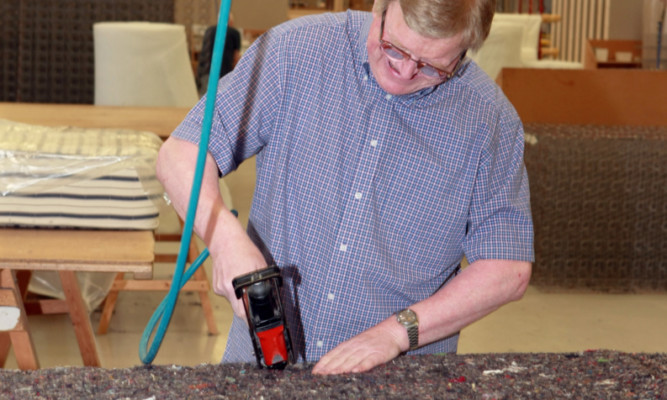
<point>65,251</point>
<point>199,283</point>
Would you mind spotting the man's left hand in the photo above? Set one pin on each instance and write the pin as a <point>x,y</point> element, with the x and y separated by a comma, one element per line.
<point>376,346</point>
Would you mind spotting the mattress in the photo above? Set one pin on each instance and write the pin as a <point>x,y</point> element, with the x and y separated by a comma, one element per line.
<point>71,177</point>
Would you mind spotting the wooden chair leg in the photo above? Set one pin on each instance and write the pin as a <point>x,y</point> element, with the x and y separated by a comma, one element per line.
<point>198,283</point>
<point>23,280</point>
<point>24,350</point>
<point>5,345</point>
<point>37,306</point>
<point>19,337</point>
<point>109,306</point>
<point>80,320</point>
<point>206,305</point>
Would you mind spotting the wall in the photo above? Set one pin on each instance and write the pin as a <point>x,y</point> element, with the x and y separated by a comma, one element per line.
<point>625,19</point>
<point>247,15</point>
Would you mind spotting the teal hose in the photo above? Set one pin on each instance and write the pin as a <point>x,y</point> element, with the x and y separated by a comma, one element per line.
<point>165,310</point>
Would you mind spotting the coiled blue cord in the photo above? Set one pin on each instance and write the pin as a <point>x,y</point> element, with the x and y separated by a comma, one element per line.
<point>165,310</point>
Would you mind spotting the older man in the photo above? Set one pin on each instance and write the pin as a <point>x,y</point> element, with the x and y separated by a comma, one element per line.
<point>384,156</point>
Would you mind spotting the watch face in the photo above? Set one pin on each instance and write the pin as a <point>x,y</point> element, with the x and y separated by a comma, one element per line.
<point>407,317</point>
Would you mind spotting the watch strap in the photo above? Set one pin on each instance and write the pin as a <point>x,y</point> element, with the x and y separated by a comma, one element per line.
<point>413,336</point>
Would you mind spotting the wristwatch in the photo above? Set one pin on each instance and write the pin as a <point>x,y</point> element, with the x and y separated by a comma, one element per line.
<point>409,320</point>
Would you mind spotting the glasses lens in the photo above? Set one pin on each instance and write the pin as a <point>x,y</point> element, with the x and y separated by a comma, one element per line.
<point>392,52</point>
<point>430,71</point>
<point>426,69</point>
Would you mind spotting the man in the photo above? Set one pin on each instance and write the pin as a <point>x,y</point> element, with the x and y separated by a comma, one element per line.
<point>384,157</point>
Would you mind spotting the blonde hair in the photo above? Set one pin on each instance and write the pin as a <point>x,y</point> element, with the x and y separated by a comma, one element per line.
<point>447,18</point>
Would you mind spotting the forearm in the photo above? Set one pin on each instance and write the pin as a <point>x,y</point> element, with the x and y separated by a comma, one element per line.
<point>478,290</point>
<point>481,288</point>
<point>175,170</point>
<point>232,251</point>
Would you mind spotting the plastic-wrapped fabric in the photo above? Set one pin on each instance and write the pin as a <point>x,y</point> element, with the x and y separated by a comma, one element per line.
<point>68,177</point>
<point>78,178</point>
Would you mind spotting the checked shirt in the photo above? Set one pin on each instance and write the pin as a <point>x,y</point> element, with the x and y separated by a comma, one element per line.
<point>366,201</point>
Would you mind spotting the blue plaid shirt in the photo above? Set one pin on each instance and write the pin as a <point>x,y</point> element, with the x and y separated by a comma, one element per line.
<point>367,201</point>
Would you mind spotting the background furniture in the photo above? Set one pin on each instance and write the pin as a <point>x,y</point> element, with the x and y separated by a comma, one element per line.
<point>46,49</point>
<point>514,42</point>
<point>598,196</point>
<point>143,64</point>
<point>198,283</point>
<point>160,120</point>
<point>601,97</point>
<point>164,77</point>
<point>596,145</point>
<point>66,251</point>
<point>612,48</point>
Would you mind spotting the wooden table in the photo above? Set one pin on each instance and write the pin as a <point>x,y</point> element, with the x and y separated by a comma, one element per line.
<point>159,120</point>
<point>68,251</point>
<point>65,251</point>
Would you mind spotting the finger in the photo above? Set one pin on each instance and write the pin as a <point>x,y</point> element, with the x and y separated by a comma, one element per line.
<point>239,309</point>
<point>350,364</point>
<point>339,360</point>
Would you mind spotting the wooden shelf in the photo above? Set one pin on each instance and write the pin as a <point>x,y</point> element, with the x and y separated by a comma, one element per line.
<point>613,46</point>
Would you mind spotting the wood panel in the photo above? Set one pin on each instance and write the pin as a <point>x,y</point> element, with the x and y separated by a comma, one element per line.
<point>159,120</point>
<point>604,97</point>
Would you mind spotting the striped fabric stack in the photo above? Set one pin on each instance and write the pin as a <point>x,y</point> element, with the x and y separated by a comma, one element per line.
<point>78,178</point>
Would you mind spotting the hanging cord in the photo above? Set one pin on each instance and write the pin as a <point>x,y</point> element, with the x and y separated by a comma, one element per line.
<point>165,310</point>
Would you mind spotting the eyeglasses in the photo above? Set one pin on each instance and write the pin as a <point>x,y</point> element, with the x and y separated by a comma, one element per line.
<point>423,67</point>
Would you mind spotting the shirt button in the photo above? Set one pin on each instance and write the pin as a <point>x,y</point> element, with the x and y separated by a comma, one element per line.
<point>330,296</point>
<point>358,195</point>
<point>374,143</point>
<point>388,97</point>
<point>320,343</point>
<point>343,247</point>
<point>365,77</point>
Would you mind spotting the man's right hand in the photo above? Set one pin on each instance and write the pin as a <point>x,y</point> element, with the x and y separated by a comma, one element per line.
<point>236,257</point>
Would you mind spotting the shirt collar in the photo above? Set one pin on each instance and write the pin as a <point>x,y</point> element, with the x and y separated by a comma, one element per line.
<point>363,35</point>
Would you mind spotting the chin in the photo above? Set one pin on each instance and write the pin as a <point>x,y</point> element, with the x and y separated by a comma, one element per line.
<point>397,88</point>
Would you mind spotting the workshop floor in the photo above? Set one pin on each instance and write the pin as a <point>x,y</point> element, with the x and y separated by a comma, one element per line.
<point>543,321</point>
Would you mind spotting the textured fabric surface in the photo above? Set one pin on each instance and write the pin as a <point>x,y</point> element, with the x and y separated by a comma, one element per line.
<point>366,201</point>
<point>599,199</point>
<point>587,375</point>
<point>47,46</point>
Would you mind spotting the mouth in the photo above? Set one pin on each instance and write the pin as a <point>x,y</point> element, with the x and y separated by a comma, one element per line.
<point>392,67</point>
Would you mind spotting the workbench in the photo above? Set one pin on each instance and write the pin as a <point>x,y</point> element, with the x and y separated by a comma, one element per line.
<point>65,251</point>
<point>68,251</point>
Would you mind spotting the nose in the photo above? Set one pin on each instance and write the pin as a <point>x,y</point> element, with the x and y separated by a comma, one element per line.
<point>407,68</point>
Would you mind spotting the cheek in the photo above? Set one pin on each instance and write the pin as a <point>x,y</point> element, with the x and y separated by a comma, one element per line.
<point>376,61</point>
<point>374,53</point>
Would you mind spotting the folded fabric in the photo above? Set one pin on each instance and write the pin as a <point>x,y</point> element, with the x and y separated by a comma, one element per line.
<point>81,178</point>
